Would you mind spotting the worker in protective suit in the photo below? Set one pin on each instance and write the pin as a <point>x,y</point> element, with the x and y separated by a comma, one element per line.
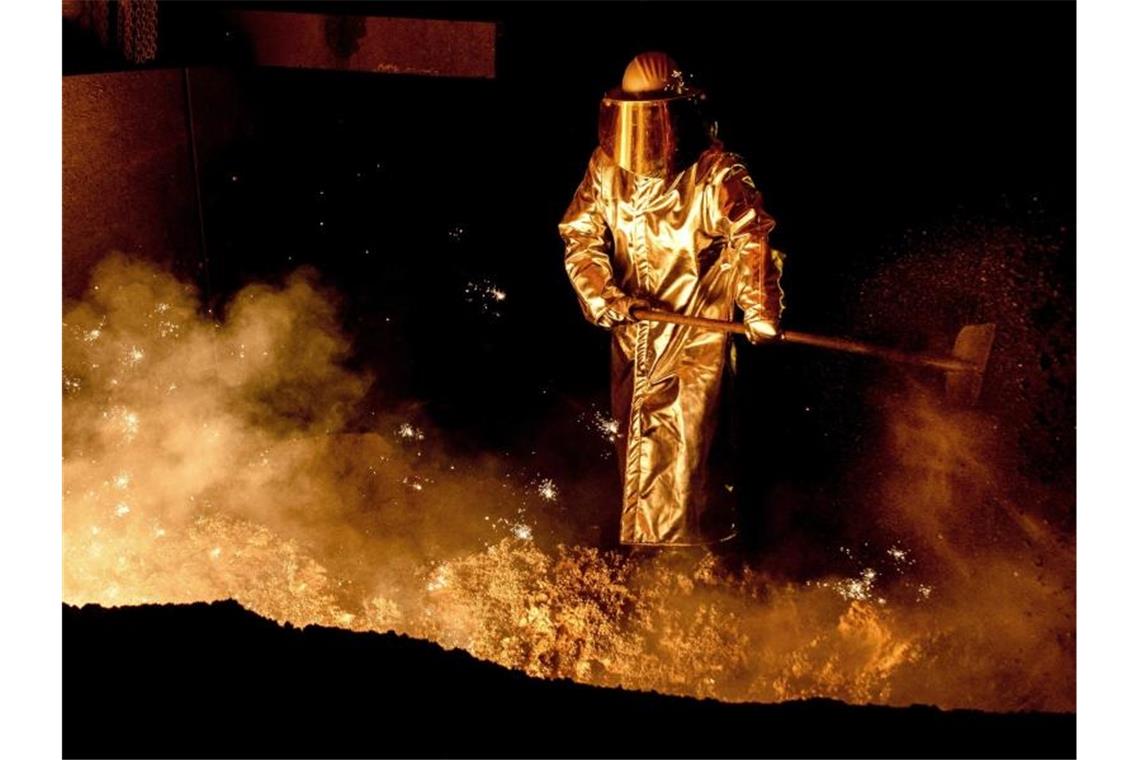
<point>666,219</point>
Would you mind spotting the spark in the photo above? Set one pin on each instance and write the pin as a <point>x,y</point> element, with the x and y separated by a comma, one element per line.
<point>215,552</point>
<point>547,489</point>
<point>92,335</point>
<point>121,481</point>
<point>122,510</point>
<point>128,422</point>
<point>416,482</point>
<point>522,531</point>
<point>607,426</point>
<point>409,432</point>
<point>134,356</point>
<point>924,592</point>
<point>439,579</point>
<point>857,589</point>
<point>486,295</point>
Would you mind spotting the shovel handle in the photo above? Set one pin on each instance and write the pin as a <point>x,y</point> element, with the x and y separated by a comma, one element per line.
<point>808,339</point>
<point>722,325</point>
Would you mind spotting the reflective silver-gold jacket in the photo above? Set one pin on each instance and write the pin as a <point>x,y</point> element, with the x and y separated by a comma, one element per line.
<point>696,244</point>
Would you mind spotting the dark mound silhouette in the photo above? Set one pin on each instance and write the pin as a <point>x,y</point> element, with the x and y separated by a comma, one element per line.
<point>219,681</point>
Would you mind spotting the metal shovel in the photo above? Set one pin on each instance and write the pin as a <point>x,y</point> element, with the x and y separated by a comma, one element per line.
<point>964,367</point>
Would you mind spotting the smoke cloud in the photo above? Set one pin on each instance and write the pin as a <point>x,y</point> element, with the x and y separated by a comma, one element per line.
<point>208,456</point>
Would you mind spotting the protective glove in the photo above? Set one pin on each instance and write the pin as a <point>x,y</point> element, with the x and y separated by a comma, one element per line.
<point>760,329</point>
<point>618,310</point>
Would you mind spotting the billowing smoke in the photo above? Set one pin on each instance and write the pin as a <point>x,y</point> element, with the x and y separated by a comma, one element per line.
<point>207,457</point>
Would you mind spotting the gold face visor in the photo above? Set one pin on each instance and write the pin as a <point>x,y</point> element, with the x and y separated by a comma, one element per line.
<point>651,137</point>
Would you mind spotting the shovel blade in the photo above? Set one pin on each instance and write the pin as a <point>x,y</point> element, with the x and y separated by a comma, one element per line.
<point>973,344</point>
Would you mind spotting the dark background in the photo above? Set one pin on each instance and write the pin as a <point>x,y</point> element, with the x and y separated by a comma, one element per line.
<point>865,125</point>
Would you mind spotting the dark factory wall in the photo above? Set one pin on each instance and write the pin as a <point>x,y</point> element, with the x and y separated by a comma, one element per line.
<point>128,173</point>
<point>143,142</point>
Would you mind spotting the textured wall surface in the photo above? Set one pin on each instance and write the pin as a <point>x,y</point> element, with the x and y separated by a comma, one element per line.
<point>128,176</point>
<point>392,45</point>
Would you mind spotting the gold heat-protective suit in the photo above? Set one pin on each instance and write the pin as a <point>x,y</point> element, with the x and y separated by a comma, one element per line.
<point>694,242</point>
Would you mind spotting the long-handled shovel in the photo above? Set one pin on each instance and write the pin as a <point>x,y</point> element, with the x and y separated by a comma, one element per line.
<point>964,367</point>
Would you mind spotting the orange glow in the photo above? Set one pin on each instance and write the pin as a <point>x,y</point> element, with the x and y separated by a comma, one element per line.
<point>210,463</point>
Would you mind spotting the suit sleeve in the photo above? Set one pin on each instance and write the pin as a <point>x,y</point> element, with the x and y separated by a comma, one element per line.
<point>735,211</point>
<point>586,236</point>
